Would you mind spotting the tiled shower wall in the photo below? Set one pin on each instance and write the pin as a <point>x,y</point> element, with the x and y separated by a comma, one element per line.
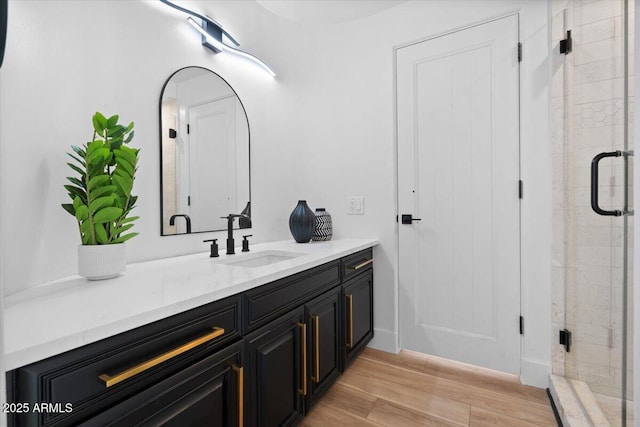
<point>588,118</point>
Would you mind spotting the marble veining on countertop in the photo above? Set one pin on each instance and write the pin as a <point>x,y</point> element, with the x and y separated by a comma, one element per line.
<point>68,313</point>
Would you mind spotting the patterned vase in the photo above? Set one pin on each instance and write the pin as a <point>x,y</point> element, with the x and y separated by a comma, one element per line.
<point>323,229</point>
<point>301,222</point>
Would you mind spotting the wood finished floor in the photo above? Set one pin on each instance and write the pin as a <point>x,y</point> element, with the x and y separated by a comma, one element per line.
<point>413,389</point>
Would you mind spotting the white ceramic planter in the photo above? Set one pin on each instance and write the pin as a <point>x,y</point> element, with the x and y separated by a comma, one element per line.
<point>98,262</point>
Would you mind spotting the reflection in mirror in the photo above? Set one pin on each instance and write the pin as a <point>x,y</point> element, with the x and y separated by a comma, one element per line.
<point>204,137</point>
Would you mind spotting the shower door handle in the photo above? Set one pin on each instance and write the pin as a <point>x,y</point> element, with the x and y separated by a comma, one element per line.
<point>594,183</point>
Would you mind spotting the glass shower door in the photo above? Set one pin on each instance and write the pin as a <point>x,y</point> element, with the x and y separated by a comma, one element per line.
<point>593,208</point>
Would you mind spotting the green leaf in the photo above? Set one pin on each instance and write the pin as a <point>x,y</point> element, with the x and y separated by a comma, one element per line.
<point>79,151</point>
<point>97,181</point>
<point>116,144</point>
<point>128,154</point>
<point>97,167</point>
<point>115,131</point>
<point>76,192</point>
<point>86,238</point>
<point>130,137</point>
<point>76,159</point>
<point>122,229</point>
<point>97,154</point>
<point>82,213</point>
<point>124,184</point>
<point>94,145</point>
<point>129,219</point>
<point>99,122</point>
<point>107,215</point>
<point>100,202</point>
<point>77,169</point>
<point>121,162</point>
<point>103,191</point>
<point>112,121</point>
<point>101,234</point>
<point>77,202</point>
<point>128,129</point>
<point>124,238</point>
<point>69,208</point>
<point>76,181</point>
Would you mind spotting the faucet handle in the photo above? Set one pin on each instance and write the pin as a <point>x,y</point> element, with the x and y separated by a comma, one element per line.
<point>214,248</point>
<point>245,243</point>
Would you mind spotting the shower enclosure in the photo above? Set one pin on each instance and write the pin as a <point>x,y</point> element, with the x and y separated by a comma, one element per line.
<point>592,146</point>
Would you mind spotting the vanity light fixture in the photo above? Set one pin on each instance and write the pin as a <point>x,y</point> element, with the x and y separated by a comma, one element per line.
<point>213,34</point>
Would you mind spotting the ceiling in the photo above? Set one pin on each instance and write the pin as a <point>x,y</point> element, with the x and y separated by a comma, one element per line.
<point>327,11</point>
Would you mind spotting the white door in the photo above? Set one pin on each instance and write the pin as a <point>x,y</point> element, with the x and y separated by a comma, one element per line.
<point>212,163</point>
<point>458,172</point>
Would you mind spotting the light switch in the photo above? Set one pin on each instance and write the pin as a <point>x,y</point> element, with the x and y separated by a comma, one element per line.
<point>356,205</point>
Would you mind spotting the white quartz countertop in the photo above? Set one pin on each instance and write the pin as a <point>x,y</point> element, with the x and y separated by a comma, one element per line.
<point>71,312</point>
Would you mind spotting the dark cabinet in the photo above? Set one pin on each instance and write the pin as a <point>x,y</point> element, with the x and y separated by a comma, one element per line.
<point>324,342</point>
<point>207,393</point>
<point>97,376</point>
<point>358,314</point>
<point>277,356</point>
<point>258,358</point>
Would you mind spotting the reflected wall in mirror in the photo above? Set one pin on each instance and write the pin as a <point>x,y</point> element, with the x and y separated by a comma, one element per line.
<point>204,153</point>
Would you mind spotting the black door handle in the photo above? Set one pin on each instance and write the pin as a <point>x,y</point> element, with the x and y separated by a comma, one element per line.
<point>594,184</point>
<point>408,219</point>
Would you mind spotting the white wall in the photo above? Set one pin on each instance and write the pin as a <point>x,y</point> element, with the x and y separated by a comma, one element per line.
<point>321,131</point>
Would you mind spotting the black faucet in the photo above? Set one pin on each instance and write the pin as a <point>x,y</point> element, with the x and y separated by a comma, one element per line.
<point>172,221</point>
<point>230,242</point>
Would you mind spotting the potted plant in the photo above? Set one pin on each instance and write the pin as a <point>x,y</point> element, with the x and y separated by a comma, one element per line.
<point>101,197</point>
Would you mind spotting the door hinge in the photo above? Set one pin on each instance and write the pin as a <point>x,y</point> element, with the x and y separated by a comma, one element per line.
<point>396,218</point>
<point>565,339</point>
<point>519,52</point>
<point>566,45</point>
<point>520,189</point>
<point>521,325</point>
<point>188,128</point>
<point>188,200</point>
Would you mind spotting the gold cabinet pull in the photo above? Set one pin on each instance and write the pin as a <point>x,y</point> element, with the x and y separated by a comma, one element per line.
<point>361,265</point>
<point>316,339</point>
<point>350,305</point>
<point>113,380</point>
<point>239,370</point>
<point>303,328</point>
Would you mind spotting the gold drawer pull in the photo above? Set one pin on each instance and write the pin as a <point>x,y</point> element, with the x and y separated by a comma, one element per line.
<point>350,305</point>
<point>361,265</point>
<point>303,328</point>
<point>316,327</point>
<point>113,380</point>
<point>240,373</point>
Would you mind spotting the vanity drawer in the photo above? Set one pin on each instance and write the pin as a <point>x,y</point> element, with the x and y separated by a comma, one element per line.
<point>269,301</point>
<point>357,263</point>
<point>95,377</point>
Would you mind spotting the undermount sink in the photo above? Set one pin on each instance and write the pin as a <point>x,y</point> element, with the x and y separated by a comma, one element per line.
<point>259,259</point>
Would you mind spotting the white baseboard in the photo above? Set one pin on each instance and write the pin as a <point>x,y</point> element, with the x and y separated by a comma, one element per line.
<point>385,341</point>
<point>534,373</point>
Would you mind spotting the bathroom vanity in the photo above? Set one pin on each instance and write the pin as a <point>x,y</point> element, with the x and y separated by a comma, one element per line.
<point>251,339</point>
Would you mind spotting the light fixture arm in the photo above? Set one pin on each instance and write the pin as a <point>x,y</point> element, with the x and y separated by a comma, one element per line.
<point>210,25</point>
<point>212,33</point>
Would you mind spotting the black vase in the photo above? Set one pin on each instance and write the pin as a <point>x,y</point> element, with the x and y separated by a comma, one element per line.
<point>301,222</point>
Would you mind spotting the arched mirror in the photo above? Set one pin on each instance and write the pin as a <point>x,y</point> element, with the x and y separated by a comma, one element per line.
<point>204,146</point>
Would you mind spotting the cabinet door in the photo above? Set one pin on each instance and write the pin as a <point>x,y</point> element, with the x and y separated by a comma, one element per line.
<point>358,313</point>
<point>210,392</point>
<point>323,317</point>
<point>277,371</point>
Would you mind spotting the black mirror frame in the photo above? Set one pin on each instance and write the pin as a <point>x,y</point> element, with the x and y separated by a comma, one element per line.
<point>160,135</point>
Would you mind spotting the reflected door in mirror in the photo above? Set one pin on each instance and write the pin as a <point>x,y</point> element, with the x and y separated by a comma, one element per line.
<point>204,152</point>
